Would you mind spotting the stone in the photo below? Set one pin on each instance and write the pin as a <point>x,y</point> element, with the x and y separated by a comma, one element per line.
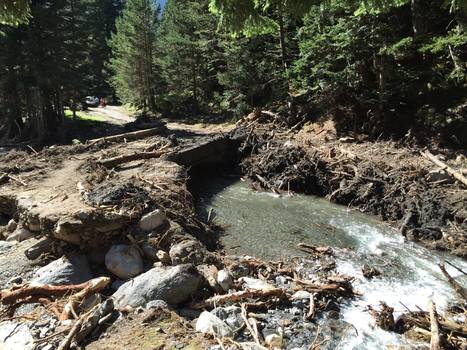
<point>5,246</point>
<point>210,324</point>
<point>187,252</point>
<point>35,251</point>
<point>301,294</point>
<point>164,257</point>
<point>254,283</point>
<point>124,261</point>
<point>152,220</point>
<point>273,341</point>
<point>173,284</point>
<point>68,230</point>
<point>15,280</point>
<point>12,225</point>
<point>231,315</point>
<point>69,269</point>
<point>16,336</point>
<point>157,304</point>
<point>439,175</point>
<point>21,234</point>
<point>149,252</point>
<point>225,280</point>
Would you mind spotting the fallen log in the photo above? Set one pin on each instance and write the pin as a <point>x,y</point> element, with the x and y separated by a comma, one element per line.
<point>134,135</point>
<point>456,286</point>
<point>17,293</point>
<point>115,161</point>
<point>240,296</point>
<point>455,174</point>
<point>434,327</point>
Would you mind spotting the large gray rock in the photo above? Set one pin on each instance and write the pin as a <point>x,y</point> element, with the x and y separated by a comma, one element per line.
<point>71,269</point>
<point>124,261</point>
<point>173,284</point>
<point>152,220</point>
<point>188,252</point>
<point>16,336</point>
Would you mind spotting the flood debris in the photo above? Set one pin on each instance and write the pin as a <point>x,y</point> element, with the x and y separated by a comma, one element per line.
<point>120,249</point>
<point>382,178</point>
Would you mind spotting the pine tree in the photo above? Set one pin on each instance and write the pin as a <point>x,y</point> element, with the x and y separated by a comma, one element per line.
<point>190,56</point>
<point>132,58</point>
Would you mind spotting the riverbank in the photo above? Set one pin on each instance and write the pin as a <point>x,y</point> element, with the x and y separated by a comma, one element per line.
<point>112,224</point>
<point>385,178</point>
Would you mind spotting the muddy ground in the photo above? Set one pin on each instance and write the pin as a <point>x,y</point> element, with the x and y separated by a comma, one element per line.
<point>385,178</point>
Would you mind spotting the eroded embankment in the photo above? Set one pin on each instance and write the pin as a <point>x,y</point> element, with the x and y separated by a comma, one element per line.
<point>114,226</point>
<point>383,178</point>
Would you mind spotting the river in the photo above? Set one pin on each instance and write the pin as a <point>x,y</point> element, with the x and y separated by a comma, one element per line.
<point>270,226</point>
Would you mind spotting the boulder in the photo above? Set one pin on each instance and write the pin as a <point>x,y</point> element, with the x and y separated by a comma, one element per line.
<point>187,252</point>
<point>70,269</point>
<point>124,261</point>
<point>20,234</point>
<point>173,284</point>
<point>210,324</point>
<point>225,280</point>
<point>16,336</point>
<point>12,225</point>
<point>152,220</point>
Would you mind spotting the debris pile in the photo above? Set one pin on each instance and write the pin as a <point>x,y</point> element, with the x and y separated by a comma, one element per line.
<point>381,178</point>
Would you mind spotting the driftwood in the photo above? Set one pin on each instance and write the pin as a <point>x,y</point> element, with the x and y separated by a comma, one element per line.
<point>337,288</point>
<point>455,174</point>
<point>311,249</point>
<point>458,288</point>
<point>17,293</point>
<point>113,162</point>
<point>92,319</point>
<point>134,135</point>
<point>434,327</point>
<point>240,296</point>
<point>94,286</point>
<point>65,344</point>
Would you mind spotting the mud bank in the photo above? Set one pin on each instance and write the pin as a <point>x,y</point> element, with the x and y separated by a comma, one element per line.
<point>383,178</point>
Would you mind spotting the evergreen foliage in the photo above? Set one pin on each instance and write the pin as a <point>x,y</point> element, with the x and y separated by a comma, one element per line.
<point>132,58</point>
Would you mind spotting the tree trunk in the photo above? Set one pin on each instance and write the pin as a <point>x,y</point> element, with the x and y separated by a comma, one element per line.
<point>418,24</point>
<point>282,39</point>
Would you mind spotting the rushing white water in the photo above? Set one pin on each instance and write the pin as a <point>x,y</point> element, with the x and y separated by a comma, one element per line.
<point>270,226</point>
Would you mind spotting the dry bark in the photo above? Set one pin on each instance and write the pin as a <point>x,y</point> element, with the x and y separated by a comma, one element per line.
<point>458,288</point>
<point>17,293</point>
<point>115,161</point>
<point>134,135</point>
<point>434,327</point>
<point>240,296</point>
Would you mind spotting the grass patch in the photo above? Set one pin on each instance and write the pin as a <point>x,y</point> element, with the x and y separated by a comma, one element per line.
<point>83,116</point>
